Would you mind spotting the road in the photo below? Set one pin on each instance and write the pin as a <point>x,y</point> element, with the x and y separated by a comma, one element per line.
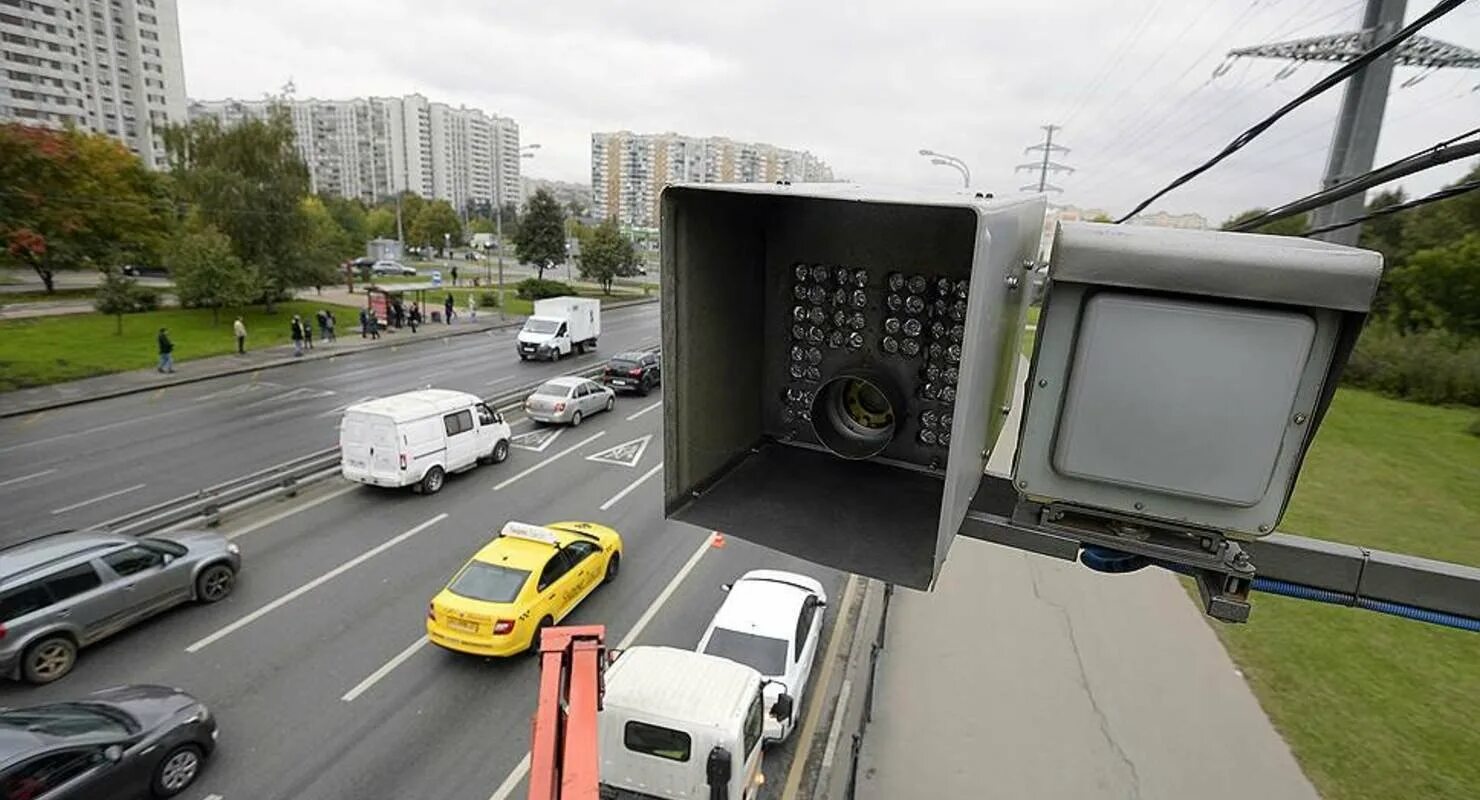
<point>79,466</point>
<point>324,687</point>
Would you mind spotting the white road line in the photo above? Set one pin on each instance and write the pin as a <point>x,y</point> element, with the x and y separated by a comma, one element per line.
<point>364,685</point>
<point>633,485</point>
<point>497,381</point>
<point>24,478</point>
<point>98,499</point>
<point>86,431</point>
<point>631,417</point>
<point>520,770</point>
<point>311,585</point>
<point>567,451</point>
<point>831,751</point>
<point>282,515</point>
<point>213,797</point>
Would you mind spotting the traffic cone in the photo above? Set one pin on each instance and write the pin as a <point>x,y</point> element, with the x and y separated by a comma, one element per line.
<point>718,541</point>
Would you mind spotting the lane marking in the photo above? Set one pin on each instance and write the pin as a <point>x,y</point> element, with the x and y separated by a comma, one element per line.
<point>631,417</point>
<point>809,727</point>
<point>626,454</point>
<point>86,431</point>
<point>520,770</point>
<point>313,584</point>
<point>497,381</point>
<point>213,797</point>
<point>535,440</point>
<point>24,478</point>
<point>364,685</point>
<point>100,498</point>
<point>567,451</point>
<point>830,752</point>
<point>616,498</point>
<point>282,515</point>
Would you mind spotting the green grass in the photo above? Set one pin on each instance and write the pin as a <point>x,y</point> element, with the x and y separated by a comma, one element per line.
<point>68,295</point>
<point>1376,707</point>
<point>45,350</point>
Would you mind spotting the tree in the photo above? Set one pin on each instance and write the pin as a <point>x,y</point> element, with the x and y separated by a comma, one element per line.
<point>1289,226</point>
<point>116,295</point>
<point>380,223</point>
<point>541,236</point>
<point>248,181</point>
<point>1439,288</point>
<point>207,274</point>
<point>480,225</point>
<point>435,225</point>
<point>350,216</point>
<point>606,255</point>
<point>576,206</point>
<point>72,200</point>
<point>509,213</point>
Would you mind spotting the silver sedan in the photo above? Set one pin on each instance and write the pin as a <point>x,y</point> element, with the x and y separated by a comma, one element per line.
<point>568,400</point>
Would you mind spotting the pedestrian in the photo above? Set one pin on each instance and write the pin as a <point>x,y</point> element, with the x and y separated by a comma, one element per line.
<point>166,351</point>
<point>241,336</point>
<point>374,324</point>
<point>307,333</point>
<point>329,318</point>
<point>295,329</point>
<point>472,309</point>
<point>364,323</point>
<point>399,312</point>
<point>454,274</point>
<point>415,316</point>
<point>447,306</point>
<point>321,318</point>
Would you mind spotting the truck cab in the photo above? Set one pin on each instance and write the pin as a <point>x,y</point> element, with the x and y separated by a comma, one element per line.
<point>681,725</point>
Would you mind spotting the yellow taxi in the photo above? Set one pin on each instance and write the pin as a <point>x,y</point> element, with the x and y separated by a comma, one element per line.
<point>526,579</point>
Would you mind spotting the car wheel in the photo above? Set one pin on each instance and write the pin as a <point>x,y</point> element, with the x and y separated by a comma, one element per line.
<point>49,659</point>
<point>214,583</point>
<point>580,349</point>
<point>177,770</point>
<point>523,357</point>
<point>431,483</point>
<point>575,420</point>
<point>611,402</point>
<point>501,451</point>
<point>644,387</point>
<point>534,639</point>
<point>613,566</point>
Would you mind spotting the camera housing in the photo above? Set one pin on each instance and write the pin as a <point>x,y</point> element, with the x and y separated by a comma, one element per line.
<point>838,364</point>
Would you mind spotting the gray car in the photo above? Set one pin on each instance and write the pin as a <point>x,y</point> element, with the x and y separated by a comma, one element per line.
<point>61,592</point>
<point>568,400</point>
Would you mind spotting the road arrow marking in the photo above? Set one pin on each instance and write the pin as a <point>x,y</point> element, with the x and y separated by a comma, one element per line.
<point>626,454</point>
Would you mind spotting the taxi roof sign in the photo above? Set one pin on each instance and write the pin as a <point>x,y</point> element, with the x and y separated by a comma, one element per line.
<point>534,533</point>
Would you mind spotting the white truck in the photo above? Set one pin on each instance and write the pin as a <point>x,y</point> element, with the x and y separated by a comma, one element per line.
<point>560,326</point>
<point>680,725</point>
<point>417,438</point>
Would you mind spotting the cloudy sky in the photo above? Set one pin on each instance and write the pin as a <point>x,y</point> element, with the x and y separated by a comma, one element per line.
<point>863,84</point>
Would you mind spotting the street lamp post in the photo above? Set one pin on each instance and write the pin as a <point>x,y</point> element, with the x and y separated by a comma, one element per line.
<point>943,160</point>
<point>498,215</point>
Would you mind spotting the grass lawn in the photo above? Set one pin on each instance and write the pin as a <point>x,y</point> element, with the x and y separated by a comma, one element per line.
<point>43,350</point>
<point>1375,706</point>
<point>68,295</point>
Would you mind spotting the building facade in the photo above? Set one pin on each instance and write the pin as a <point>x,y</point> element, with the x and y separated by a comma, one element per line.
<point>107,66</point>
<point>628,170</point>
<point>373,147</point>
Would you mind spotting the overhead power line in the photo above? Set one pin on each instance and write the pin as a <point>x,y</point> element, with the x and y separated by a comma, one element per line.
<point>1046,166</point>
<point>1443,194</point>
<point>1441,153</point>
<point>1346,71</point>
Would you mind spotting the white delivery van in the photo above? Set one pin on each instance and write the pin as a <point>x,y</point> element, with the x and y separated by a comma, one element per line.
<point>415,439</point>
<point>681,725</point>
<point>560,326</point>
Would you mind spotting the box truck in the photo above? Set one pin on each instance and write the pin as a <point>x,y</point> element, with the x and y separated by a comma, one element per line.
<point>560,326</point>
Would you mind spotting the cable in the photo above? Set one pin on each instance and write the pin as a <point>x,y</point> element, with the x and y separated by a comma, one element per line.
<point>1443,194</point>
<point>1120,56</point>
<point>1360,62</point>
<point>1302,592</point>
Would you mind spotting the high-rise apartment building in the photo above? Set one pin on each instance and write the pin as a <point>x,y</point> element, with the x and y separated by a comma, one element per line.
<point>109,66</point>
<point>369,148</point>
<point>629,170</point>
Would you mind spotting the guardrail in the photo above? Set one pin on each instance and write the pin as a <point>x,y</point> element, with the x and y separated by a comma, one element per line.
<point>278,481</point>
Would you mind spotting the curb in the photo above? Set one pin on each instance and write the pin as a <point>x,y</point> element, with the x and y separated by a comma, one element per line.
<point>285,362</point>
<point>837,774</point>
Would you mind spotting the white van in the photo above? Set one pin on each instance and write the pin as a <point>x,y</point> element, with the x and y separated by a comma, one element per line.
<point>415,439</point>
<point>682,725</point>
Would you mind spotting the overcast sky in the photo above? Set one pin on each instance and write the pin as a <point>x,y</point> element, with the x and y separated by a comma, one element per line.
<point>862,84</point>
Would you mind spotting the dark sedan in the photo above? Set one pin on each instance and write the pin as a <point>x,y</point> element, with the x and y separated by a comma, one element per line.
<point>114,744</point>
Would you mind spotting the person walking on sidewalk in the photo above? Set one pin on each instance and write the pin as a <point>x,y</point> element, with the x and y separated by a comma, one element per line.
<point>241,336</point>
<point>307,329</point>
<point>166,351</point>
<point>454,274</point>
<point>415,316</point>
<point>296,331</point>
<point>364,323</point>
<point>447,306</point>
<point>321,318</point>
<point>329,329</point>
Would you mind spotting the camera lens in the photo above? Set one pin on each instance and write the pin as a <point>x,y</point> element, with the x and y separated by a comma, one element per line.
<point>854,415</point>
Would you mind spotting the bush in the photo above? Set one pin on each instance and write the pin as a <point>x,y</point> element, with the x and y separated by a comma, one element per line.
<point>1474,429</point>
<point>145,299</point>
<point>488,299</point>
<point>1432,367</point>
<point>537,289</point>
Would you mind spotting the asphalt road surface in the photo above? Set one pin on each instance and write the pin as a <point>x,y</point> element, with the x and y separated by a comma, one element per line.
<point>324,687</point>
<point>79,466</point>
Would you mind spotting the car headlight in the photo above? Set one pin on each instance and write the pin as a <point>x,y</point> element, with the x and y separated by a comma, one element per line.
<point>233,548</point>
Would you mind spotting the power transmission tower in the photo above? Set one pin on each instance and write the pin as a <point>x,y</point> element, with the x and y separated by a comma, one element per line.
<point>1045,166</point>
<point>1358,124</point>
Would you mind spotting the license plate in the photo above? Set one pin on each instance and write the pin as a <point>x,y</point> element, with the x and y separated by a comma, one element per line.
<point>462,625</point>
<point>620,381</point>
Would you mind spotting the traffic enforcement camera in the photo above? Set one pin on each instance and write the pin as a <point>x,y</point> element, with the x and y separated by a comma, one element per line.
<point>838,364</point>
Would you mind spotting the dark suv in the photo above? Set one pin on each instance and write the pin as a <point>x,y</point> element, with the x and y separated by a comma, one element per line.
<point>634,371</point>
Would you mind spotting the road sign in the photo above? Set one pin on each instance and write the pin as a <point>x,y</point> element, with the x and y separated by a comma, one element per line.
<point>626,454</point>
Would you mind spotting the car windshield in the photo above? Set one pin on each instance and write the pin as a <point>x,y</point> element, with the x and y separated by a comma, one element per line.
<point>68,719</point>
<point>489,582</point>
<point>533,325</point>
<point>624,364</point>
<point>554,389</point>
<point>766,655</point>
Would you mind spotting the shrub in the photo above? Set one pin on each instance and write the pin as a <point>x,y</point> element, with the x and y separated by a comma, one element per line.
<point>537,289</point>
<point>488,299</point>
<point>145,299</point>
<point>1431,367</point>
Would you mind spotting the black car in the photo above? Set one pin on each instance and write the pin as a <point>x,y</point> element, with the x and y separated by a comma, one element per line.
<point>114,744</point>
<point>634,371</point>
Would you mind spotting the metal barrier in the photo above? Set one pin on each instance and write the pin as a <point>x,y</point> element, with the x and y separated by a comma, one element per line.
<point>876,648</point>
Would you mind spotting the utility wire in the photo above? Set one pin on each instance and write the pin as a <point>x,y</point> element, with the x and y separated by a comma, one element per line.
<point>1351,68</point>
<point>1443,194</point>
